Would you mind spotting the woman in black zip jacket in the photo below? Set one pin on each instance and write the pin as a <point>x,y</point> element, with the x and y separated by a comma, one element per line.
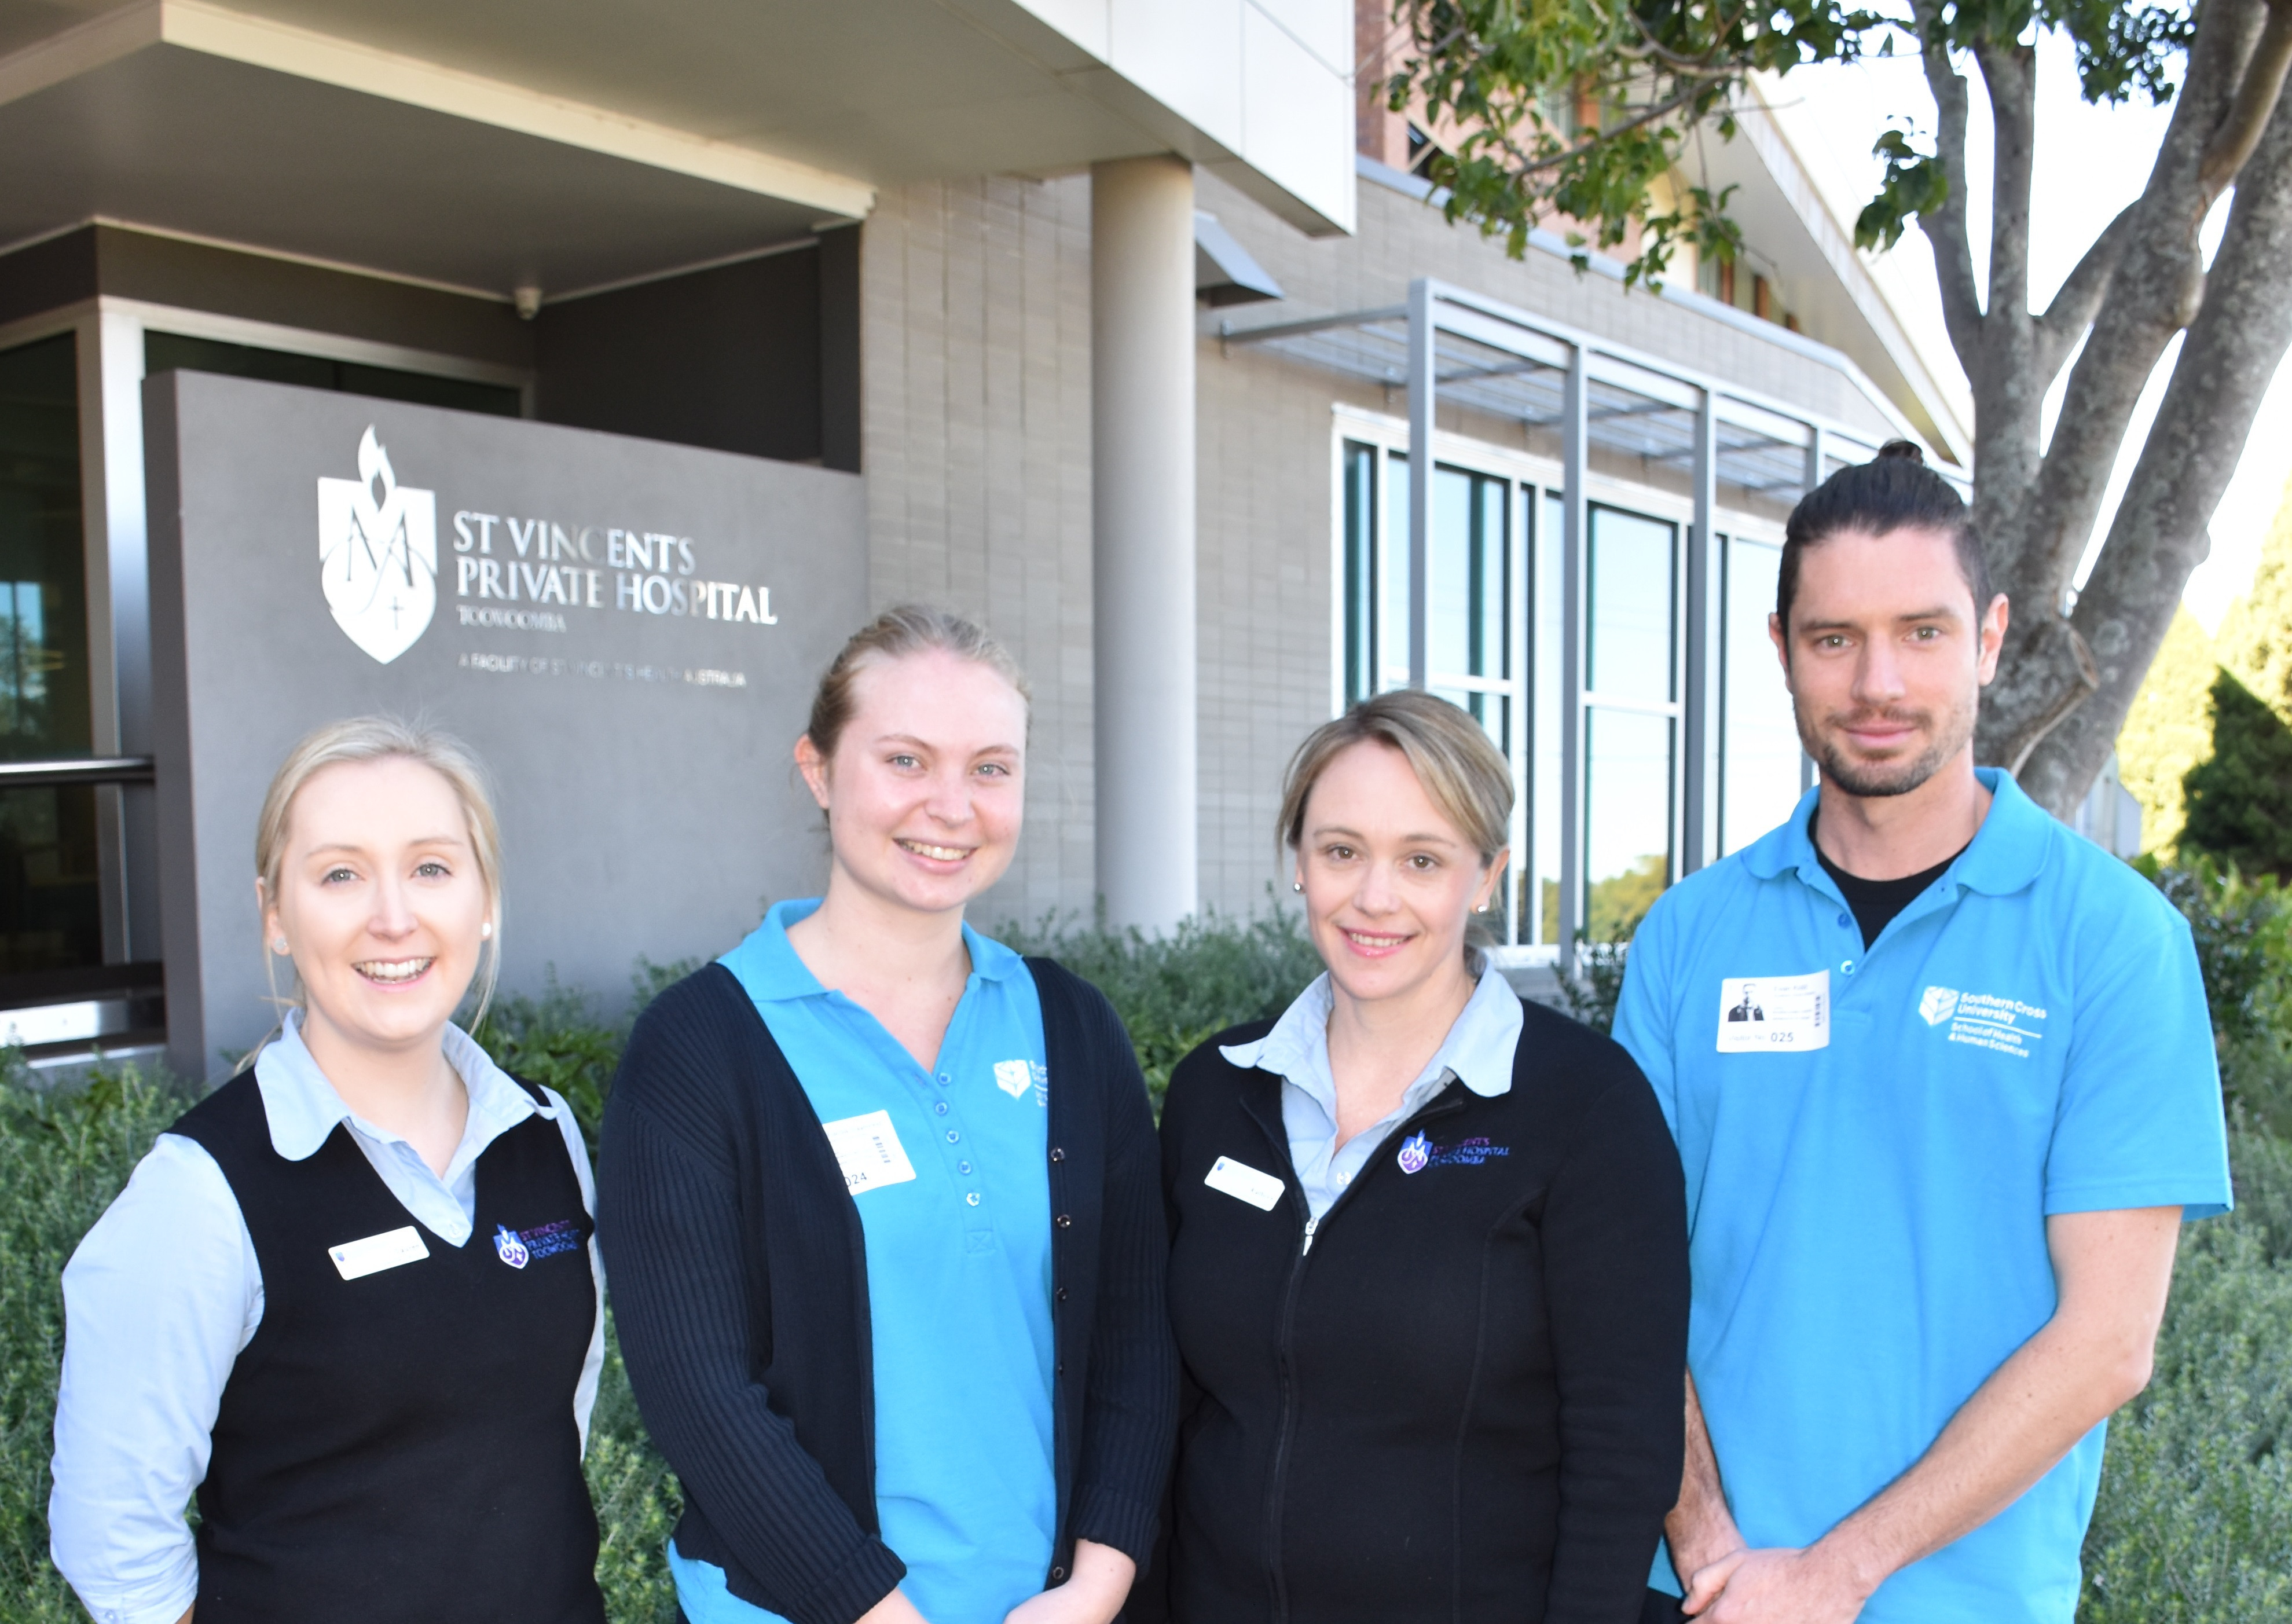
<point>1429,1246</point>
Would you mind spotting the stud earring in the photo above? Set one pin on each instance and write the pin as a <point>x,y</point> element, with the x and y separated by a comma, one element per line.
<point>1296,885</point>
<point>486,930</point>
<point>1482,909</point>
<point>278,945</point>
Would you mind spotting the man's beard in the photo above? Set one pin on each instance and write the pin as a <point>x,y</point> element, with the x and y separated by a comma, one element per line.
<point>1875,780</point>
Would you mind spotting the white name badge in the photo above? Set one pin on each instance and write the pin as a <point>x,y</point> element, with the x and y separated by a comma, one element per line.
<point>356,1259</point>
<point>1774,1015</point>
<point>1245,1183</point>
<point>869,1152</point>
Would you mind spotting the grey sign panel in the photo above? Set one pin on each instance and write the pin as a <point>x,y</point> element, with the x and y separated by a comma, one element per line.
<point>628,633</point>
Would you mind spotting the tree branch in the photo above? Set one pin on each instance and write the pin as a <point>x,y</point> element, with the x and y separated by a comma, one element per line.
<point>1945,230</point>
<point>2080,295</point>
<point>2010,72</point>
<point>2257,96</point>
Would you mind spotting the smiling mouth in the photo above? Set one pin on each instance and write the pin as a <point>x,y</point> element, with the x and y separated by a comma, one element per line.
<point>1369,942</point>
<point>393,971</point>
<point>938,854</point>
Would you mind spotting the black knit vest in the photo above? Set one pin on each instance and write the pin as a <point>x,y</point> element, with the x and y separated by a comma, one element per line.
<point>400,1446</point>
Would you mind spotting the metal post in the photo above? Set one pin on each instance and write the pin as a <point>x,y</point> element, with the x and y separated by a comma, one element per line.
<point>1817,455</point>
<point>1422,384</point>
<point>1705,646</point>
<point>1575,537</point>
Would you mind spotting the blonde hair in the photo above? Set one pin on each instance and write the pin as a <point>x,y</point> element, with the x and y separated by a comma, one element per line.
<point>362,739</point>
<point>1464,775</point>
<point>910,628</point>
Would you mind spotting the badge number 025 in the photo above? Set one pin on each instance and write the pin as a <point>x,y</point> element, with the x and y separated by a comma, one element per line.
<point>1774,1015</point>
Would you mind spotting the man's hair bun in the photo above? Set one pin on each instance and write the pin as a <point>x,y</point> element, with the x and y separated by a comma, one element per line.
<point>1905,448</point>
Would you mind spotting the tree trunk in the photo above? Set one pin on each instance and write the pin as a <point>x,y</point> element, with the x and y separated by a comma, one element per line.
<point>2139,287</point>
<point>2239,338</point>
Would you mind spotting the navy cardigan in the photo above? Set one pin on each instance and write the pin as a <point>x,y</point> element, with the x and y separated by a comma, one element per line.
<point>739,1284</point>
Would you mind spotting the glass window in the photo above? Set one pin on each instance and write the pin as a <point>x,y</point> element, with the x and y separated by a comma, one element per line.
<point>1468,575</point>
<point>174,352</point>
<point>1361,569</point>
<point>1632,619</point>
<point>1627,787</point>
<point>1759,747</point>
<point>51,913</point>
<point>1631,719</point>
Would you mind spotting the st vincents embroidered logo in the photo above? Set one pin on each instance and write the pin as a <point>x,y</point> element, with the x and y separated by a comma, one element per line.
<point>378,555</point>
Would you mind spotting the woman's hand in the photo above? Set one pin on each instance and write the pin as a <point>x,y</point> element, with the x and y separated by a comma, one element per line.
<point>1095,1593</point>
<point>893,1608</point>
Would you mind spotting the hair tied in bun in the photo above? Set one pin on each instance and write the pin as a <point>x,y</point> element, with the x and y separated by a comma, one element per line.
<point>1904,448</point>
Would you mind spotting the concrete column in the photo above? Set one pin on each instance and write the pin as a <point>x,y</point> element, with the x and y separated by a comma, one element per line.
<point>1142,394</point>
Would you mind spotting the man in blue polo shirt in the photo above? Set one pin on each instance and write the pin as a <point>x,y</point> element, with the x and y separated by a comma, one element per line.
<point>1942,1080</point>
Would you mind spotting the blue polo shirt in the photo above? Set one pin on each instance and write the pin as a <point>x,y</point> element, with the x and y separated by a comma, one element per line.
<point>1868,1217</point>
<point>949,1172</point>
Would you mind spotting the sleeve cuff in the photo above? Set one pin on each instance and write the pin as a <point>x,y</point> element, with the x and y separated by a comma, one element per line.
<point>2197,1198</point>
<point>1107,1518</point>
<point>863,1578</point>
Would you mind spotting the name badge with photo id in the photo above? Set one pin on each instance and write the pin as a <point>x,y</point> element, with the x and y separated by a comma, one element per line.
<point>868,1151</point>
<point>357,1259</point>
<point>1245,1183</point>
<point>1774,1015</point>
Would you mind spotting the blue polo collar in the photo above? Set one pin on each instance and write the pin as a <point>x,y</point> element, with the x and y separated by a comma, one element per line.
<point>769,968</point>
<point>2008,852</point>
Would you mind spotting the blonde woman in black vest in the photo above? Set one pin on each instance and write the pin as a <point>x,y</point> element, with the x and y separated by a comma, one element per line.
<point>350,1296</point>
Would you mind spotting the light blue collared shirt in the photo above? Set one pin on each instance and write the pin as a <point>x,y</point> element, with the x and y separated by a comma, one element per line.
<point>949,1170</point>
<point>1477,1052</point>
<point>164,1291</point>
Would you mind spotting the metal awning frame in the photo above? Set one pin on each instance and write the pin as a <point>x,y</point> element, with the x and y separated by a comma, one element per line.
<point>1723,421</point>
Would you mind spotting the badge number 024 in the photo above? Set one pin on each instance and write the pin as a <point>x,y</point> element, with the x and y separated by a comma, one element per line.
<point>1774,1015</point>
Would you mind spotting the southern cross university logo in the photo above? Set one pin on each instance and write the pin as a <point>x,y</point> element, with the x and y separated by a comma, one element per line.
<point>1938,1005</point>
<point>378,555</point>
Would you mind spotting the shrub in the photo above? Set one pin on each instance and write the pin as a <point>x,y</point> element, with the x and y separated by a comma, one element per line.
<point>2243,934</point>
<point>1173,992</point>
<point>2194,1520</point>
<point>62,1161</point>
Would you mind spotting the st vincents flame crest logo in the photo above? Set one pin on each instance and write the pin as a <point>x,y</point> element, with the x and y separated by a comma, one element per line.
<point>378,555</point>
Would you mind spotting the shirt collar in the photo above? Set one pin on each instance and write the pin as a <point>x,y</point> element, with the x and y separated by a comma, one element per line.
<point>769,968</point>
<point>304,1108</point>
<point>2009,849</point>
<point>1478,1049</point>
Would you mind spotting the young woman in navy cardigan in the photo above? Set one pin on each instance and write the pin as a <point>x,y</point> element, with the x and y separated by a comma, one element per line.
<point>880,1202</point>
<point>1429,1260</point>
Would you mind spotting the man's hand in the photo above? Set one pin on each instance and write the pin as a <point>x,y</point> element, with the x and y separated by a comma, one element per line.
<point>1775,1587</point>
<point>1092,1595</point>
<point>1701,1530</point>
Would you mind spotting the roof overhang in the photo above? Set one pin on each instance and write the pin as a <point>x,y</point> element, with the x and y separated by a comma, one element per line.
<point>571,143</point>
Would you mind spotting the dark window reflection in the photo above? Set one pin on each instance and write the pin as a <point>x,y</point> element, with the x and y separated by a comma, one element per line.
<point>50,908</point>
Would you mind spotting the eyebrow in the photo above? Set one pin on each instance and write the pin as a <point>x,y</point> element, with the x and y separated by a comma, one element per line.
<point>359,851</point>
<point>1939,612</point>
<point>1426,838</point>
<point>925,744</point>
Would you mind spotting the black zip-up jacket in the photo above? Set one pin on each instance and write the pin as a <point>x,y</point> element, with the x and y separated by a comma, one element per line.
<point>1462,1400</point>
<point>739,1284</point>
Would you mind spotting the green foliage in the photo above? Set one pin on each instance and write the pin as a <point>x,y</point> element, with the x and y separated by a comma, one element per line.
<point>62,1161</point>
<point>2237,798</point>
<point>2194,1520</point>
<point>1619,902</point>
<point>2243,934</point>
<point>2167,730</point>
<point>1213,972</point>
<point>1591,993</point>
<point>564,1040</point>
<point>1579,108</point>
<point>638,1501</point>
